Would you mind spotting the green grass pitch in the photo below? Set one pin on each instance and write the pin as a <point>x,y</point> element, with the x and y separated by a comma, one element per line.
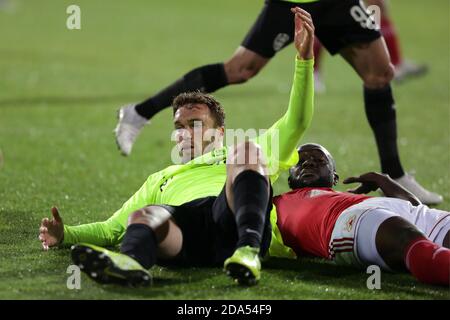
<point>59,92</point>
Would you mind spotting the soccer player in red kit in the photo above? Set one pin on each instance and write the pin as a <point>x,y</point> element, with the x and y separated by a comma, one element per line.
<point>395,232</point>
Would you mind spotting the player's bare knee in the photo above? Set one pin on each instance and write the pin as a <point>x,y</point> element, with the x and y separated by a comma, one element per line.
<point>246,153</point>
<point>246,147</point>
<point>245,156</point>
<point>379,78</point>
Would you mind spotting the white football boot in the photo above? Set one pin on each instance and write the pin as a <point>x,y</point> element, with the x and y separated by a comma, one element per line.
<point>408,69</point>
<point>426,197</point>
<point>128,128</point>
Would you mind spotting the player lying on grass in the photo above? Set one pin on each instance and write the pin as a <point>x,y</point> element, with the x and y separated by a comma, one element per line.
<point>231,230</point>
<point>212,204</point>
<point>395,232</point>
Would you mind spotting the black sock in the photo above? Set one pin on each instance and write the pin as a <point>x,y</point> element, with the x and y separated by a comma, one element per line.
<point>251,198</point>
<point>140,243</point>
<point>380,111</point>
<point>207,79</point>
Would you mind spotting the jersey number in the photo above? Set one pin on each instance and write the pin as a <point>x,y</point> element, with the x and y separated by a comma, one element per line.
<point>368,19</point>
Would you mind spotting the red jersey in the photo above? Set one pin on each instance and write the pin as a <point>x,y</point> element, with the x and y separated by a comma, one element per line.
<point>306,217</point>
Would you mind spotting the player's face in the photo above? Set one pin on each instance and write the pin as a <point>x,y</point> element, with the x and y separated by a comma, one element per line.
<point>195,131</point>
<point>314,169</point>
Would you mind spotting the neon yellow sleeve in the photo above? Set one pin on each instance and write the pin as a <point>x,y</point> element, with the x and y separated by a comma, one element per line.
<point>289,130</point>
<point>111,231</point>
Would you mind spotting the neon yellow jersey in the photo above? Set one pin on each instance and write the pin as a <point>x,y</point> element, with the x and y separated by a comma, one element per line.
<point>206,175</point>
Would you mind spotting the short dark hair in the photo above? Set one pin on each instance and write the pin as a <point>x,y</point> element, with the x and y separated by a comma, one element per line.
<point>197,97</point>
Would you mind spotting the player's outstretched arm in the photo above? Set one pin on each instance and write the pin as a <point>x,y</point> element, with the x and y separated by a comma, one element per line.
<point>372,181</point>
<point>53,232</point>
<point>292,126</point>
<point>301,102</point>
<point>105,233</point>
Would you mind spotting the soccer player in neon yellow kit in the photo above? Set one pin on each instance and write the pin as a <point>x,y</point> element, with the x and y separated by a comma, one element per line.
<point>236,214</point>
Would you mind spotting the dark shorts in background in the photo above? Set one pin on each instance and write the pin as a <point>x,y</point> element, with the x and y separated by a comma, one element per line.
<point>335,25</point>
<point>209,231</point>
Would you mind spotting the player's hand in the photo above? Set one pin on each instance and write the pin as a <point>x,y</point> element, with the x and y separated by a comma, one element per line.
<point>304,33</point>
<point>51,231</point>
<point>368,182</point>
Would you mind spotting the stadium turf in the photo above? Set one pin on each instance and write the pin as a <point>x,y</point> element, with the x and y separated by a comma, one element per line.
<point>59,92</point>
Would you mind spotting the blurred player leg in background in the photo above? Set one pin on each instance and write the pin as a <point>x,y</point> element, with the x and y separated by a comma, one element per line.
<point>353,34</point>
<point>404,68</point>
<point>372,64</point>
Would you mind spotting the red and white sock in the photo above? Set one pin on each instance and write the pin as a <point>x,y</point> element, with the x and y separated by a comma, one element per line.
<point>428,262</point>
<point>390,36</point>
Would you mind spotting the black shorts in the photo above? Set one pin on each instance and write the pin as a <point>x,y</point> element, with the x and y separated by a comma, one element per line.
<point>209,232</point>
<point>335,22</point>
